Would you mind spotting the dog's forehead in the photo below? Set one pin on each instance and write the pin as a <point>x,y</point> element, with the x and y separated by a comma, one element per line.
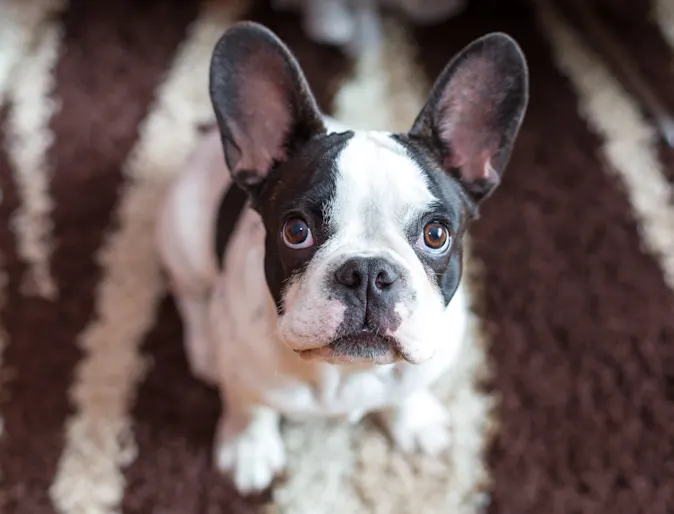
<point>376,177</point>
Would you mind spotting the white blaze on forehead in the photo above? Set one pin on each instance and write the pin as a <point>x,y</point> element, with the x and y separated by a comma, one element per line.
<point>377,185</point>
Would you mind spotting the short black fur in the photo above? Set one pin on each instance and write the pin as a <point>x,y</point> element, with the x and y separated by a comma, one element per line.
<point>302,186</point>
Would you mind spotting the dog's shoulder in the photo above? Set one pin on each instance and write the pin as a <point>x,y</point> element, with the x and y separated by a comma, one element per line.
<point>186,218</point>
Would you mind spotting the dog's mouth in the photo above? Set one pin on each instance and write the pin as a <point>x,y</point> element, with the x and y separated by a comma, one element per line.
<point>358,348</point>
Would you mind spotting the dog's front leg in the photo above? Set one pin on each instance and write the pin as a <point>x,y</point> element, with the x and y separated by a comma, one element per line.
<point>248,446</point>
<point>419,423</point>
<point>193,308</point>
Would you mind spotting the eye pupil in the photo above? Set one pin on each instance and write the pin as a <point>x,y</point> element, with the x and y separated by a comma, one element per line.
<point>296,231</point>
<point>435,235</point>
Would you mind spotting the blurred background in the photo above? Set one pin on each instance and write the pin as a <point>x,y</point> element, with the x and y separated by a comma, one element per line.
<point>564,402</point>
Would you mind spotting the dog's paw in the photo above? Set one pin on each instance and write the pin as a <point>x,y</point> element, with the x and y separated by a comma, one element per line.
<point>420,424</point>
<point>252,457</point>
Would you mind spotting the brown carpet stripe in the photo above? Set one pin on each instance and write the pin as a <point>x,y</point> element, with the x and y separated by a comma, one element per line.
<point>662,12</point>
<point>9,266</point>
<point>581,331</point>
<point>104,45</point>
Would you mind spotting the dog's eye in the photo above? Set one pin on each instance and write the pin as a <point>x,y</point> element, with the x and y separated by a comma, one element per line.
<point>435,237</point>
<point>296,234</point>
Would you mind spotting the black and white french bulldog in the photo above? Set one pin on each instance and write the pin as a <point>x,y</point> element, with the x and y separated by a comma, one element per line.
<point>317,269</point>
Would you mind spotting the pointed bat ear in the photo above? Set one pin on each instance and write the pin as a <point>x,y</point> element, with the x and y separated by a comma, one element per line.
<point>474,112</point>
<point>262,102</point>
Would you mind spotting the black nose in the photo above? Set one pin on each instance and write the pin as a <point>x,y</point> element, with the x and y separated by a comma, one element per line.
<point>367,277</point>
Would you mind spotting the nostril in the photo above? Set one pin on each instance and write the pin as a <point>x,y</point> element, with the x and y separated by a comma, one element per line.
<point>384,279</point>
<point>353,279</point>
<point>384,274</point>
<point>349,275</point>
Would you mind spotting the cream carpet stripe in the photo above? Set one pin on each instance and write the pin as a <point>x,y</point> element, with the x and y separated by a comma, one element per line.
<point>20,24</point>
<point>353,469</point>
<point>29,139</point>
<point>99,437</point>
<point>387,89</point>
<point>629,142</point>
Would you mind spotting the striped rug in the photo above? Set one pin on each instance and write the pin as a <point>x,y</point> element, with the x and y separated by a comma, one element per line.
<point>564,399</point>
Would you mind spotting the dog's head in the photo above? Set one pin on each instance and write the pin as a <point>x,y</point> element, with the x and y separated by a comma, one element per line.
<point>364,229</point>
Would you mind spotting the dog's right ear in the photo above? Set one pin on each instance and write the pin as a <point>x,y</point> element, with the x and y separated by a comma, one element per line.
<point>475,110</point>
<point>262,102</point>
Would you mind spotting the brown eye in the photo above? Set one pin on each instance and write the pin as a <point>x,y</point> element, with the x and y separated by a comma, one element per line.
<point>296,234</point>
<point>435,237</point>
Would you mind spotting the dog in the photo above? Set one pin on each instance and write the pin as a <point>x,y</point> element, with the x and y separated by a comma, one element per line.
<point>355,25</point>
<point>317,269</point>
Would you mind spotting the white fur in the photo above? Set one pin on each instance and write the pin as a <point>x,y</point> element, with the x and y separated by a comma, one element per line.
<point>235,339</point>
<point>253,454</point>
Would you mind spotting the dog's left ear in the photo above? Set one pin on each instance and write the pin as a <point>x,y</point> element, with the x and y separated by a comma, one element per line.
<point>262,102</point>
<point>475,110</point>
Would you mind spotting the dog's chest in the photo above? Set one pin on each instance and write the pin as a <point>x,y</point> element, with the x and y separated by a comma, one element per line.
<point>336,391</point>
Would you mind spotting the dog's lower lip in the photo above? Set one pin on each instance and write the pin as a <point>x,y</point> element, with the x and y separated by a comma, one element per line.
<point>384,350</point>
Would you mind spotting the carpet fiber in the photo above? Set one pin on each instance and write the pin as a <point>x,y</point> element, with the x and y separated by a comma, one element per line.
<point>564,399</point>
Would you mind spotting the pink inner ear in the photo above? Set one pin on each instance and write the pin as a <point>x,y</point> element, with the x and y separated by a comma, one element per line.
<point>265,116</point>
<point>468,113</point>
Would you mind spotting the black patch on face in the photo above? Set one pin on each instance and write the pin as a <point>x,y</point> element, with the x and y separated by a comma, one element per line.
<point>455,209</point>
<point>302,186</point>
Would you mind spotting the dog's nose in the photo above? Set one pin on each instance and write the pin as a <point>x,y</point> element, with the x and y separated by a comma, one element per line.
<point>367,277</point>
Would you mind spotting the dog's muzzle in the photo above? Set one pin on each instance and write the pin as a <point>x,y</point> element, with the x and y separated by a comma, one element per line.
<point>370,288</point>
